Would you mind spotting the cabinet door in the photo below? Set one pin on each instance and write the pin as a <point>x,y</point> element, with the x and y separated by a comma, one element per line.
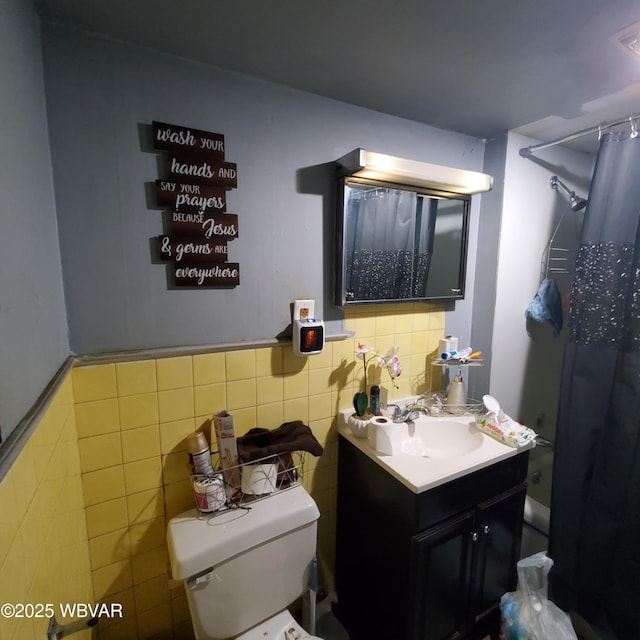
<point>441,571</point>
<point>499,530</point>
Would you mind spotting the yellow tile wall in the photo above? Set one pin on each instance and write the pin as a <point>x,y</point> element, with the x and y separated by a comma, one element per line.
<point>44,549</point>
<point>130,459</point>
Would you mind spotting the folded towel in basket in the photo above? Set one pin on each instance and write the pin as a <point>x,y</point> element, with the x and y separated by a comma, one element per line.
<point>291,436</point>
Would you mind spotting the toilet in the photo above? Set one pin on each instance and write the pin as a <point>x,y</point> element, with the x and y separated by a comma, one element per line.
<point>243,567</point>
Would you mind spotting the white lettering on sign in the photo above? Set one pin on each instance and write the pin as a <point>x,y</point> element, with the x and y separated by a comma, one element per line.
<point>186,248</point>
<point>213,145</point>
<point>229,174</point>
<point>203,170</point>
<point>200,274</point>
<point>211,228</point>
<point>182,200</point>
<point>171,136</point>
<point>190,188</point>
<point>176,137</point>
<point>191,248</point>
<point>188,197</point>
<point>176,249</point>
<point>188,217</point>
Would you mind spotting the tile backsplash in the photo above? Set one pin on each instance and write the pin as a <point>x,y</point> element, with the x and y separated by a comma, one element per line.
<point>44,548</point>
<point>108,462</point>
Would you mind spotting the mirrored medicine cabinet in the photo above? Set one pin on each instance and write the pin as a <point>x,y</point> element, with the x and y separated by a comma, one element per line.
<point>404,240</point>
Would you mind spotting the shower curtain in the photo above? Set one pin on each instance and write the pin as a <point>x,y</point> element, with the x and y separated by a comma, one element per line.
<point>595,507</point>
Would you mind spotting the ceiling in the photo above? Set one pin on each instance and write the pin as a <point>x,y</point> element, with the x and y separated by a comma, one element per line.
<point>545,68</point>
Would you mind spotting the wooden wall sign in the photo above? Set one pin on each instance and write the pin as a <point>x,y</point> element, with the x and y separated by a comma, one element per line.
<point>179,249</point>
<point>194,191</point>
<point>207,225</point>
<point>170,137</point>
<point>208,275</point>
<point>184,196</point>
<point>203,170</point>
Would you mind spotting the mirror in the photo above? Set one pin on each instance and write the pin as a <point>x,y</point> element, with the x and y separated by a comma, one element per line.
<point>399,244</point>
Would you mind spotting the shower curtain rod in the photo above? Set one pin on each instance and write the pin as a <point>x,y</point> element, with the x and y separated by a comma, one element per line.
<point>527,151</point>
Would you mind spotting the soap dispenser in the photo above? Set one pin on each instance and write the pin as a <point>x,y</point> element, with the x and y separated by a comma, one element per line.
<point>457,396</point>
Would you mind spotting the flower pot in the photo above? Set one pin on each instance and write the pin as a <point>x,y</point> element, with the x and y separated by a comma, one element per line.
<point>359,425</point>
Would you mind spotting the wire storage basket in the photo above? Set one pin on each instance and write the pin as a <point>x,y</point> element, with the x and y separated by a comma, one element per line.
<point>238,486</point>
<point>438,406</point>
<point>437,400</point>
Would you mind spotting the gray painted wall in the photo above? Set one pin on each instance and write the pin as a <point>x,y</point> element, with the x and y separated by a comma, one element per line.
<point>33,329</point>
<point>101,99</point>
<point>527,359</point>
<point>487,265</point>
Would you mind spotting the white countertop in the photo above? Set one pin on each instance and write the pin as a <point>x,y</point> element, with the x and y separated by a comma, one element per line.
<point>420,473</point>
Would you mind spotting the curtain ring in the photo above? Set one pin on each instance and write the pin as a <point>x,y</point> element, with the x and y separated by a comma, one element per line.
<point>634,130</point>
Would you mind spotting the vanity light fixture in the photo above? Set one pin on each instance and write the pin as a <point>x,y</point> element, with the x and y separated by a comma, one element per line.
<point>378,166</point>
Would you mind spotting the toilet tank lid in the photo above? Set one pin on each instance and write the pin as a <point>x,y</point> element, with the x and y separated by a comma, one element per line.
<point>197,541</point>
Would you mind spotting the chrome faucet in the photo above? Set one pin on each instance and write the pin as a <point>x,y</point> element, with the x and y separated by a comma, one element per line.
<point>410,412</point>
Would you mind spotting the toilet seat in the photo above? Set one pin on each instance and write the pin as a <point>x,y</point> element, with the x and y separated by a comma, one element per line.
<point>282,626</point>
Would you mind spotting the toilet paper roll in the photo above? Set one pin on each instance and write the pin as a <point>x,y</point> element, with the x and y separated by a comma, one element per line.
<point>259,479</point>
<point>378,420</point>
<point>383,429</point>
<point>209,492</point>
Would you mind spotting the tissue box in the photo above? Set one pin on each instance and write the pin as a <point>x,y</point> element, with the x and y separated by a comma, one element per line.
<point>228,451</point>
<point>448,343</point>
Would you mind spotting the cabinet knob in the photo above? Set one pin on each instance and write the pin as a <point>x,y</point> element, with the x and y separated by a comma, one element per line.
<point>485,529</point>
<point>474,536</point>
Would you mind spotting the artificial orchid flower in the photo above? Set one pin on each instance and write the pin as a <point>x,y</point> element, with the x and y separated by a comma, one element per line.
<point>391,362</point>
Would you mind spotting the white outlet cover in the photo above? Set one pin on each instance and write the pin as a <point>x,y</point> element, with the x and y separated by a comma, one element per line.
<point>303,309</point>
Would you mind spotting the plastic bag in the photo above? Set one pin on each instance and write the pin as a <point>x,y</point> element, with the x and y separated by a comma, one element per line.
<point>528,614</point>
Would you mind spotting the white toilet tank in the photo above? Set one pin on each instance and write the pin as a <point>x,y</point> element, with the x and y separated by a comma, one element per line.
<point>244,566</point>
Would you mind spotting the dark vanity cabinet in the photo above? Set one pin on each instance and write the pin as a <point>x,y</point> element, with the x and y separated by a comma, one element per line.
<point>427,566</point>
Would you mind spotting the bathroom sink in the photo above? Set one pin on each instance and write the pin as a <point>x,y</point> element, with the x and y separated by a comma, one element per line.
<point>426,436</point>
<point>440,437</point>
<point>431,450</point>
